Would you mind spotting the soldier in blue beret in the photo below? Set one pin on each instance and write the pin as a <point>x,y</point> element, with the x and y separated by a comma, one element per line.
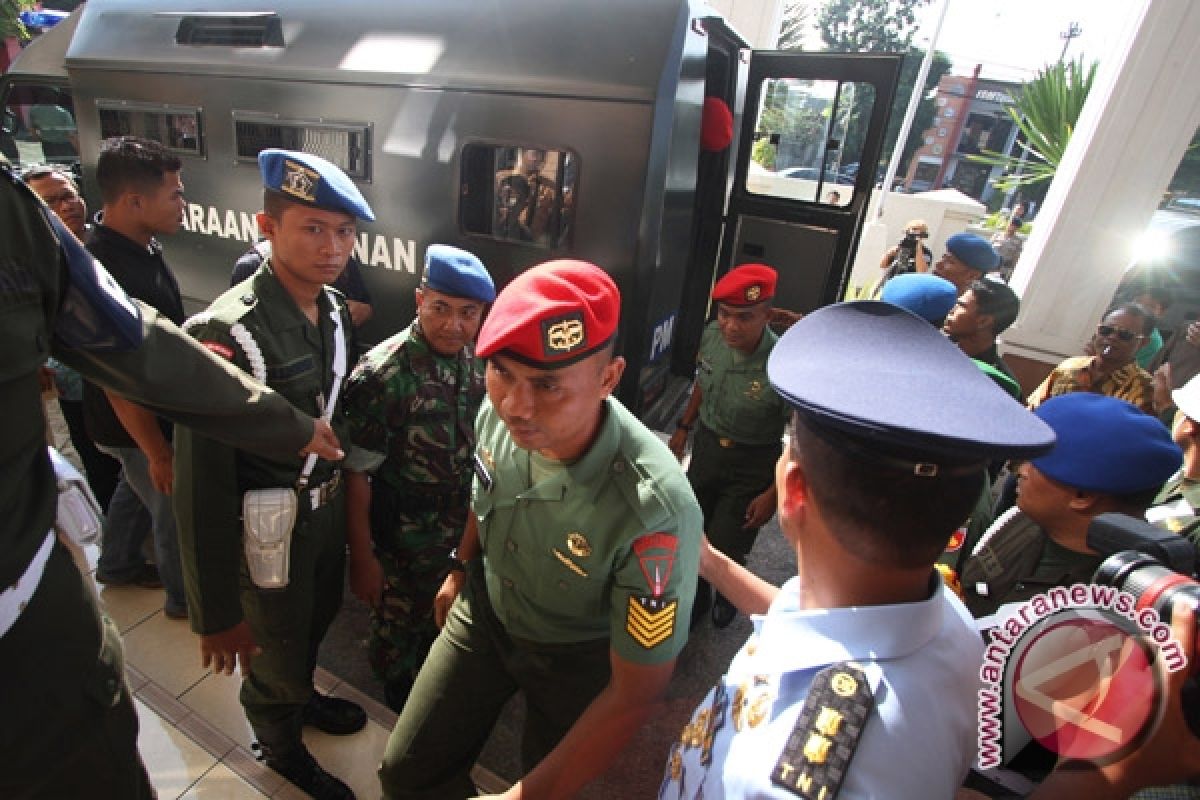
<point>411,404</point>
<point>285,326</point>
<point>1110,457</point>
<point>929,297</point>
<point>968,258</point>
<point>825,696</point>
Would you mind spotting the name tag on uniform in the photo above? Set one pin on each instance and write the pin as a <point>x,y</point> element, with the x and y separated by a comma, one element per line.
<point>481,472</point>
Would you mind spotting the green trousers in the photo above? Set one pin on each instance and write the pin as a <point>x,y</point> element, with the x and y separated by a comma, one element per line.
<point>290,623</point>
<point>726,480</point>
<point>69,726</point>
<point>471,672</point>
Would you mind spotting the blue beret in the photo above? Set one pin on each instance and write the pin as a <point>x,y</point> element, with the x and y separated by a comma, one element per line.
<point>1106,445</point>
<point>891,382</point>
<point>927,296</point>
<point>313,181</point>
<point>457,273</point>
<point>974,251</point>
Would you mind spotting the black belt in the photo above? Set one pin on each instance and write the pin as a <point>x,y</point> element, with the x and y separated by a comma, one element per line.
<point>733,444</point>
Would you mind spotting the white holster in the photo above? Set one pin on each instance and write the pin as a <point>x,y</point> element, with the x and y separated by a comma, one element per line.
<point>268,517</point>
<point>78,517</point>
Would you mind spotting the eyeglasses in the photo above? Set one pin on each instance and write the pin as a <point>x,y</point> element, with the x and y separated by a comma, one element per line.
<point>1120,333</point>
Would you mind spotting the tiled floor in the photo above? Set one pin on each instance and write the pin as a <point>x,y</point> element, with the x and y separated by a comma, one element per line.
<point>194,738</point>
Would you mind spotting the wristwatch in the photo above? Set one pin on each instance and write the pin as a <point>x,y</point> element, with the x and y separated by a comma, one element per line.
<point>456,563</point>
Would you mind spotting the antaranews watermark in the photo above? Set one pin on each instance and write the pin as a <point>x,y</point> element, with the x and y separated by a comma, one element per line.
<point>1079,668</point>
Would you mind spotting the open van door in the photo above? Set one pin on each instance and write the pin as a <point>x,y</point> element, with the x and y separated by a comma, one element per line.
<point>811,132</point>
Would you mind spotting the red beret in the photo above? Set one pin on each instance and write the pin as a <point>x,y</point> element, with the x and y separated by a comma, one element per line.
<point>716,125</point>
<point>552,315</point>
<point>746,285</point>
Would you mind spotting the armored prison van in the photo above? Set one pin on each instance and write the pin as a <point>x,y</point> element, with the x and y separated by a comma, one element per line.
<point>518,129</point>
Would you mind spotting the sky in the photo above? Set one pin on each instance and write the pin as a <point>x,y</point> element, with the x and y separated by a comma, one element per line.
<point>1014,38</point>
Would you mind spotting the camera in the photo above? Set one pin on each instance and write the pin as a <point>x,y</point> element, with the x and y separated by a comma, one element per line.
<point>1153,565</point>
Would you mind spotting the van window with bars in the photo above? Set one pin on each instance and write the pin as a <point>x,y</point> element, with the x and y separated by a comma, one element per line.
<point>519,194</point>
<point>177,129</point>
<point>343,144</point>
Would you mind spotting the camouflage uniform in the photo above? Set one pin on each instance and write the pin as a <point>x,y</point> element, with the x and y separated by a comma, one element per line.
<point>415,410</point>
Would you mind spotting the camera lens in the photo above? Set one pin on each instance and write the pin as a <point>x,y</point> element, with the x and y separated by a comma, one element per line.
<point>1151,584</point>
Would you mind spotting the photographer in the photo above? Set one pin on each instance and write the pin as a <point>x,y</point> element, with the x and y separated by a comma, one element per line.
<point>906,256</point>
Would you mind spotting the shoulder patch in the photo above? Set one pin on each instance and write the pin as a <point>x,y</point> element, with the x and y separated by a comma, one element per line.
<point>831,722</point>
<point>650,619</point>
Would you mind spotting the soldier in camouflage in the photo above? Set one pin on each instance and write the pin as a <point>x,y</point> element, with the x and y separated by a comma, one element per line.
<point>411,403</point>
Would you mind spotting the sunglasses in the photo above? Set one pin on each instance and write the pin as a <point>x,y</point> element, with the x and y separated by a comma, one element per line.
<point>1120,333</point>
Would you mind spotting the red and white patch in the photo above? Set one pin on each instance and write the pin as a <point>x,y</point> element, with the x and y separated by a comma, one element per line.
<point>656,555</point>
<point>223,350</point>
<point>956,540</point>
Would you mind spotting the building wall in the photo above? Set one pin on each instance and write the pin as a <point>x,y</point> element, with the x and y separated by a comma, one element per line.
<point>756,20</point>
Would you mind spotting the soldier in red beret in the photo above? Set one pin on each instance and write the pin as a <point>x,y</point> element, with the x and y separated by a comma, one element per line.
<point>739,422</point>
<point>576,564</point>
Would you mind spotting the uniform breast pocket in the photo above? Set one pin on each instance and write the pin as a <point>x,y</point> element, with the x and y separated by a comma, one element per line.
<point>566,583</point>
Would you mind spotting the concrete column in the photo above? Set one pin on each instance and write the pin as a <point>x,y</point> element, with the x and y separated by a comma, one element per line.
<point>1139,118</point>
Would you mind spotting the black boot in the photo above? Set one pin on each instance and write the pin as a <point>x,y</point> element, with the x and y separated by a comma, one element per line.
<point>282,749</point>
<point>333,715</point>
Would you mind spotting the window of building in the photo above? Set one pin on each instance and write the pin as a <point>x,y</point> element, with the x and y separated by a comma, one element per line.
<point>177,128</point>
<point>948,111</point>
<point>942,131</point>
<point>345,144</point>
<point>521,193</point>
<point>928,140</point>
<point>937,149</point>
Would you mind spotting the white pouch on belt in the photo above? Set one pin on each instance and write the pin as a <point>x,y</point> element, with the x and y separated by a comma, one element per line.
<point>268,517</point>
<point>78,517</point>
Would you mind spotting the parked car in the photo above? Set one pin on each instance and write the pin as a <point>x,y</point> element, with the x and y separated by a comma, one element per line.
<point>1168,256</point>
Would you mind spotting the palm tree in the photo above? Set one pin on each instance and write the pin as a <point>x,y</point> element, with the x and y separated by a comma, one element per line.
<point>1045,113</point>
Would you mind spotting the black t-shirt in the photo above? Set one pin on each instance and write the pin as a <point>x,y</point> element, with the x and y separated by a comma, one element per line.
<point>142,272</point>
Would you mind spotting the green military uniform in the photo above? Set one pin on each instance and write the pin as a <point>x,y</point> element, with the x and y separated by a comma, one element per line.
<point>258,326</point>
<point>598,555</point>
<point>962,541</point>
<point>1175,507</point>
<point>70,729</point>
<point>1016,560</point>
<point>414,411</point>
<point>738,439</point>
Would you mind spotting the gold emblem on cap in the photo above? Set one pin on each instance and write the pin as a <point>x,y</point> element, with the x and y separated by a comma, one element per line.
<point>300,181</point>
<point>844,684</point>
<point>753,292</point>
<point>564,336</point>
<point>578,544</point>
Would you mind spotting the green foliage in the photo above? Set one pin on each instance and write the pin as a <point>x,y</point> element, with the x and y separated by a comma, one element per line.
<point>1046,111</point>
<point>1186,179</point>
<point>868,26</point>
<point>10,20</point>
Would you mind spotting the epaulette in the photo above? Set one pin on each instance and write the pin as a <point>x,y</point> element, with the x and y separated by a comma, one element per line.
<point>814,761</point>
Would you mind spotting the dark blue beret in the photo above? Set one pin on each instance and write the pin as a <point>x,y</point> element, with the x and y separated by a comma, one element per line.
<point>927,296</point>
<point>313,181</point>
<point>891,383</point>
<point>457,273</point>
<point>1106,445</point>
<point>974,251</point>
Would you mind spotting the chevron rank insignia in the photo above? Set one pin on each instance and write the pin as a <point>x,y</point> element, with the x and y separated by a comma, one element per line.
<point>651,620</point>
